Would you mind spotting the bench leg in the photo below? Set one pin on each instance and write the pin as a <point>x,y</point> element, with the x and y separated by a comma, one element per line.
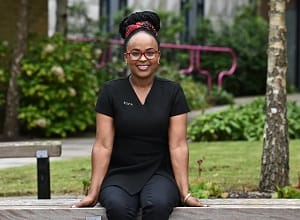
<point>43,178</point>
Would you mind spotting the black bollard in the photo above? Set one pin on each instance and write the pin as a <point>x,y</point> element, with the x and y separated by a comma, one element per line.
<point>43,174</point>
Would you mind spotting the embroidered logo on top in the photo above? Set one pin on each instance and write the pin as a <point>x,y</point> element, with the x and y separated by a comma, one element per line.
<point>127,103</point>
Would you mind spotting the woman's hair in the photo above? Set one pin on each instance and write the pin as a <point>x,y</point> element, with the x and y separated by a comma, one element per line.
<point>147,21</point>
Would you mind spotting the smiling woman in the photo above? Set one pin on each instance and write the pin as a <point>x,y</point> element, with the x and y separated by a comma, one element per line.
<point>140,156</point>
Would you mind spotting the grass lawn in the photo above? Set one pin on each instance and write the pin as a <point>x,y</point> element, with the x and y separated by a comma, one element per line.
<point>232,165</point>
<point>235,165</point>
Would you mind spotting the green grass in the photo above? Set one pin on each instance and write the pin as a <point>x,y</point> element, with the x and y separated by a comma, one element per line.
<point>235,165</point>
<point>66,178</point>
<point>232,165</point>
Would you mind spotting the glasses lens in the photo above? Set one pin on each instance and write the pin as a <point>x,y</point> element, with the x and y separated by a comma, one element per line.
<point>150,54</point>
<point>135,54</point>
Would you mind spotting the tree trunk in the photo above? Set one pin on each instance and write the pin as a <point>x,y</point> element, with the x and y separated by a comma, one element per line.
<point>61,17</point>
<point>11,126</point>
<point>275,157</point>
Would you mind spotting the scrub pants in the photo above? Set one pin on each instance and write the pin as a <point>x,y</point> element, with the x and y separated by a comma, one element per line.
<point>156,199</point>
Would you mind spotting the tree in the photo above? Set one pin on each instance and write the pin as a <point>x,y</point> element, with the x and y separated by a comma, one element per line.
<point>11,126</point>
<point>61,17</point>
<point>275,157</point>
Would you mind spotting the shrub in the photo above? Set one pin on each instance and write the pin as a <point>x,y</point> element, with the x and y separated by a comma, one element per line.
<point>240,123</point>
<point>248,36</point>
<point>219,96</point>
<point>59,87</point>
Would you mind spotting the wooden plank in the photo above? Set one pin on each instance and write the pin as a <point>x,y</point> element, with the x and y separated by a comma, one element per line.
<point>29,148</point>
<point>55,214</point>
<point>219,209</point>
<point>178,214</point>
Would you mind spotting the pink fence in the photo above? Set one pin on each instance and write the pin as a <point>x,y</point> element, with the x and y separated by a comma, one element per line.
<point>194,58</point>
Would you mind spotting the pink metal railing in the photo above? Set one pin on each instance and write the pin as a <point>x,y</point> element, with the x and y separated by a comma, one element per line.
<point>194,58</point>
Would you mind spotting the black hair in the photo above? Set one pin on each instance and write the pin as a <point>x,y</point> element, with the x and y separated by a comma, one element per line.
<point>135,17</point>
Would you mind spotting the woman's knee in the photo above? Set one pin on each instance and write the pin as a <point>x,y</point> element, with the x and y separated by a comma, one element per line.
<point>157,211</point>
<point>157,207</point>
<point>159,204</point>
<point>119,205</point>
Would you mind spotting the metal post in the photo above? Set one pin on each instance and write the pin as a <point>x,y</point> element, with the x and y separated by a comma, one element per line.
<point>43,174</point>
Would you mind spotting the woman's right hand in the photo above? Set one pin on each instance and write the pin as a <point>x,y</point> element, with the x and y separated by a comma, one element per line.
<point>88,201</point>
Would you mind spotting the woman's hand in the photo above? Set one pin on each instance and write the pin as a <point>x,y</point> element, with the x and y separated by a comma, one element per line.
<point>192,201</point>
<point>88,201</point>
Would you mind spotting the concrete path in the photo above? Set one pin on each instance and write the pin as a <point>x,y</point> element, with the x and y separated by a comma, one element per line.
<point>78,147</point>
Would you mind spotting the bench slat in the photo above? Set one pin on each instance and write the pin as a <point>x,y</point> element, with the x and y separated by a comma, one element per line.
<point>28,148</point>
<point>178,214</point>
<point>220,209</point>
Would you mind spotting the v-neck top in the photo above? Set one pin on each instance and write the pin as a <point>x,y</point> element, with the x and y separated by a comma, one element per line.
<point>140,147</point>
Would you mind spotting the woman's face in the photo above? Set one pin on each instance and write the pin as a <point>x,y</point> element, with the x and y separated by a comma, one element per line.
<point>142,55</point>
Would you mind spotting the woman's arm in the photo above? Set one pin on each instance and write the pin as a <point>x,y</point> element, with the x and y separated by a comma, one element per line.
<point>101,155</point>
<point>179,152</point>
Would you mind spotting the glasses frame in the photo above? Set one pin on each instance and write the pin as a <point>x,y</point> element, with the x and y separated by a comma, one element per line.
<point>142,53</point>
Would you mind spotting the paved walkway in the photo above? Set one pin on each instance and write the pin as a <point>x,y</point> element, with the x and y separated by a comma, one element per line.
<point>78,147</point>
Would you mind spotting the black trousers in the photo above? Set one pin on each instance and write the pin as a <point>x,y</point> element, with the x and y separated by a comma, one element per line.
<point>156,200</point>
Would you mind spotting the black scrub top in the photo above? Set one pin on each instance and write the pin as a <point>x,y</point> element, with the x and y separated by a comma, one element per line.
<point>140,147</point>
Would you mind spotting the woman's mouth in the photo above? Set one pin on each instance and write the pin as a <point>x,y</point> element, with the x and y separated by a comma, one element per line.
<point>143,67</point>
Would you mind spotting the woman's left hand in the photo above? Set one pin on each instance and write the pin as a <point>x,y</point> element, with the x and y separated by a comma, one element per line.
<point>192,201</point>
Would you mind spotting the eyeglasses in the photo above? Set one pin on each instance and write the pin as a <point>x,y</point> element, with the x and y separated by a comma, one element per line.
<point>137,54</point>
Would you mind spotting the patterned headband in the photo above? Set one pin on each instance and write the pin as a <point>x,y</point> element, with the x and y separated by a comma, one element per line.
<point>144,24</point>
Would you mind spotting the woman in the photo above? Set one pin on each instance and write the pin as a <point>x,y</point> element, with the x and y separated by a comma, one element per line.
<point>140,156</point>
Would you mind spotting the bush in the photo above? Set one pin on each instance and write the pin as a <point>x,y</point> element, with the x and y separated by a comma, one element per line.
<point>219,96</point>
<point>240,123</point>
<point>248,36</point>
<point>59,87</point>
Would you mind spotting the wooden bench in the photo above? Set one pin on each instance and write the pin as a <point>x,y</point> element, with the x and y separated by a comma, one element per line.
<point>42,150</point>
<point>226,209</point>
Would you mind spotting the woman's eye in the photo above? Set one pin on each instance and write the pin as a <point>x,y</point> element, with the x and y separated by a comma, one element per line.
<point>150,53</point>
<point>135,53</point>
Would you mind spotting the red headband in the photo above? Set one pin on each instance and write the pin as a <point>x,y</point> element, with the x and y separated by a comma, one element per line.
<point>144,24</point>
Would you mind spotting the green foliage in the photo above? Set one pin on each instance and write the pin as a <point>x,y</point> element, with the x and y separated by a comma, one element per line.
<point>248,36</point>
<point>85,186</point>
<point>233,124</point>
<point>59,86</point>
<point>240,123</point>
<point>293,115</point>
<point>288,192</point>
<point>206,190</point>
<point>219,96</point>
<point>195,93</point>
<point>172,24</point>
